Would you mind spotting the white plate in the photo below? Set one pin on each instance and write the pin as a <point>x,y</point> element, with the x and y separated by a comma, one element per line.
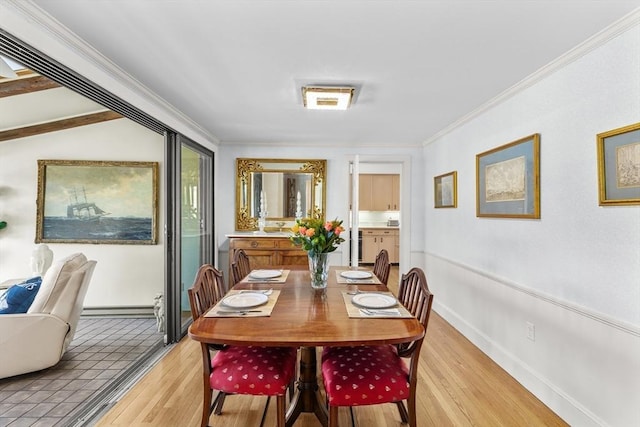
<point>356,274</point>
<point>374,300</point>
<point>245,300</point>
<point>265,274</point>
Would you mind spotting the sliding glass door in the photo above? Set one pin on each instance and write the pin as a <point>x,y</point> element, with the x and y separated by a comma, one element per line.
<point>195,217</point>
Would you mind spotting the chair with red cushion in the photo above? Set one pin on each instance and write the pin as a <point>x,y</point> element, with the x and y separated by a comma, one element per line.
<point>370,375</point>
<point>250,370</point>
<point>382,266</point>
<point>240,266</point>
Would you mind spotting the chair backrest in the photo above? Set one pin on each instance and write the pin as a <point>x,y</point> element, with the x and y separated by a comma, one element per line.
<point>208,288</point>
<point>240,266</point>
<point>382,266</point>
<point>414,294</point>
<point>75,291</point>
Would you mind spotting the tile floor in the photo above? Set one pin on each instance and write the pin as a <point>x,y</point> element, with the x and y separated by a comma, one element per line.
<point>103,352</point>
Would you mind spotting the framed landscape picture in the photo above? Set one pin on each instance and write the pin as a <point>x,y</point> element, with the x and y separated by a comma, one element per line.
<point>445,189</point>
<point>508,180</point>
<point>619,166</point>
<point>81,201</point>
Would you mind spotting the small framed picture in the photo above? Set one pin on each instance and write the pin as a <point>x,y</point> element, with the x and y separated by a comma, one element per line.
<point>619,166</point>
<point>82,201</point>
<point>445,189</point>
<point>508,180</point>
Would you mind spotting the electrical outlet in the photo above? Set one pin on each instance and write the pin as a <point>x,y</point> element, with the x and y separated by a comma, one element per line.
<point>531,331</point>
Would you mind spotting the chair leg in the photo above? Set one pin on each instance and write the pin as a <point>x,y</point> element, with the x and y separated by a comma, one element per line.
<point>333,416</point>
<point>217,404</point>
<point>264,413</point>
<point>411,403</point>
<point>353,418</point>
<point>281,406</point>
<point>404,416</point>
<point>206,406</point>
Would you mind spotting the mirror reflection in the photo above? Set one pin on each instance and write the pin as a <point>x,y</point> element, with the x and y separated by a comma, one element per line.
<point>283,188</point>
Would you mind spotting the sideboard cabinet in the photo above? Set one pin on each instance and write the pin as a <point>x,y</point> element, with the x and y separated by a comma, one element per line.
<point>265,251</point>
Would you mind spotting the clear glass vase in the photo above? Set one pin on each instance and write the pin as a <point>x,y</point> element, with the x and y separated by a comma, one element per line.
<point>319,269</point>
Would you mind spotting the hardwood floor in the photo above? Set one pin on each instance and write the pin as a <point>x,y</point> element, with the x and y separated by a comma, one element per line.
<point>458,385</point>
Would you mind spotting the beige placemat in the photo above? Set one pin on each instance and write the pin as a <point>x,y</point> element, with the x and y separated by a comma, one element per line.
<point>373,280</point>
<point>396,312</point>
<point>280,279</point>
<point>221,310</point>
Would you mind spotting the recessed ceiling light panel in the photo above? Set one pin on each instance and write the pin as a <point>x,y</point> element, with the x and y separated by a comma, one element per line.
<point>327,98</point>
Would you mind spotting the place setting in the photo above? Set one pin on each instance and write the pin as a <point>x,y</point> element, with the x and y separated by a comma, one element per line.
<point>245,303</point>
<point>361,304</point>
<point>266,275</point>
<point>356,276</point>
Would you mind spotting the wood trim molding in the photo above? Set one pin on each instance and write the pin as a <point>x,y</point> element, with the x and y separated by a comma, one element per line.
<point>21,86</point>
<point>57,125</point>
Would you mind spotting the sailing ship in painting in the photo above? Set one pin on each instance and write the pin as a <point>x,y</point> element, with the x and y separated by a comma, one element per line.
<point>83,211</point>
<point>87,222</point>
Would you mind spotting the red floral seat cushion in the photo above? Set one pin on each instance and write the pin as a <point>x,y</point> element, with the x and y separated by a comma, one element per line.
<point>365,375</point>
<point>253,370</point>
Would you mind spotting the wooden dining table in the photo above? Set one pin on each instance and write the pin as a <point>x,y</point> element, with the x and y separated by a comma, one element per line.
<point>306,318</point>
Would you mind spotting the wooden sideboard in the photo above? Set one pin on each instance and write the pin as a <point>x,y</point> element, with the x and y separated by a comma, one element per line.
<point>266,251</point>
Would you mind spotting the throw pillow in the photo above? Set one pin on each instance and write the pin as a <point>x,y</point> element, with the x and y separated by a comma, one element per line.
<point>18,298</point>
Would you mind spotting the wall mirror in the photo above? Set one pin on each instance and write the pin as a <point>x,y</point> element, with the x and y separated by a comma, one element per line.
<point>281,187</point>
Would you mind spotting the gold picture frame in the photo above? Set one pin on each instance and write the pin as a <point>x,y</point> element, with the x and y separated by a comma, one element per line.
<point>445,190</point>
<point>508,180</point>
<point>619,166</point>
<point>84,201</point>
<point>284,184</point>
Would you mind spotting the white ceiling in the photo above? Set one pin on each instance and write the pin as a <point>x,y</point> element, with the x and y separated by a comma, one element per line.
<point>236,67</point>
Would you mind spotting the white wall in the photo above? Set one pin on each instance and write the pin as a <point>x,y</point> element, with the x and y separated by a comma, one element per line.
<point>574,273</point>
<point>126,275</point>
<point>338,184</point>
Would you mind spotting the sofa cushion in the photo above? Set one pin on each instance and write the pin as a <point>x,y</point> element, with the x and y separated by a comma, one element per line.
<point>18,298</point>
<point>54,282</point>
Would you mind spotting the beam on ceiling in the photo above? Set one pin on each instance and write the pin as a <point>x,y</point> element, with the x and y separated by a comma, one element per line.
<point>57,125</point>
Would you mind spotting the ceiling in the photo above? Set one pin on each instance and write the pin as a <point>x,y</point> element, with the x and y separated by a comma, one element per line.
<point>236,67</point>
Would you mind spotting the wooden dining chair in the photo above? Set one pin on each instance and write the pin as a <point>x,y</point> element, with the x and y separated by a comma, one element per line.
<point>370,375</point>
<point>253,370</point>
<point>240,266</point>
<point>382,266</point>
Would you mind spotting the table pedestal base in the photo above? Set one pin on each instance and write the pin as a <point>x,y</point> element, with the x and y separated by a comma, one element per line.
<point>307,397</point>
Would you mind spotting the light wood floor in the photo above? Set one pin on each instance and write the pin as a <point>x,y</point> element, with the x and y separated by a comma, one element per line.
<point>457,386</point>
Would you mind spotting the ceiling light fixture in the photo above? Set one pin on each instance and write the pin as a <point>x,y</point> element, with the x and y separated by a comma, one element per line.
<point>327,98</point>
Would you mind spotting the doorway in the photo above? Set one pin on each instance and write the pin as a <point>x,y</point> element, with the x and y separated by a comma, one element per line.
<point>379,224</point>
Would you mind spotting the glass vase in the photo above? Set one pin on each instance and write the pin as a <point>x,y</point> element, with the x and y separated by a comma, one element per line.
<point>319,269</point>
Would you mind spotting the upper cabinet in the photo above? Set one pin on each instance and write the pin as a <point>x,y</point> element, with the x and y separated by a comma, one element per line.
<point>379,192</point>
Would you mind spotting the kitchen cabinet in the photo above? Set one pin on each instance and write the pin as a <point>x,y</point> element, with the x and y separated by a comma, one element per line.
<point>376,239</point>
<point>379,192</point>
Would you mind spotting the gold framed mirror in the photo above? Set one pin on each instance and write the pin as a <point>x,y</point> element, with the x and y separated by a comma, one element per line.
<point>282,187</point>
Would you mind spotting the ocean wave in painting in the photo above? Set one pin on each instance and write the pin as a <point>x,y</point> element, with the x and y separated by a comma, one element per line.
<point>61,228</point>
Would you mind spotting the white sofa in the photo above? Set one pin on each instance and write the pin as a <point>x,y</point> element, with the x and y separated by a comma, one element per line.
<point>37,339</point>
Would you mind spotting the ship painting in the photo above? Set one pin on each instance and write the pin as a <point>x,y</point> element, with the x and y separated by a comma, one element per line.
<point>95,202</point>
<point>84,210</point>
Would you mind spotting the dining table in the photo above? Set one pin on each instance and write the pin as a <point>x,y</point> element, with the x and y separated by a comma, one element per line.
<point>307,318</point>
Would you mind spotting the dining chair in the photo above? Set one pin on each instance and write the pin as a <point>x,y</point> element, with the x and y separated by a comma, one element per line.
<point>240,266</point>
<point>370,375</point>
<point>252,370</point>
<point>382,266</point>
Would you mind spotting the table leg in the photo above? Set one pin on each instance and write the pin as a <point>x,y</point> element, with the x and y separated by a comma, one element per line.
<point>307,397</point>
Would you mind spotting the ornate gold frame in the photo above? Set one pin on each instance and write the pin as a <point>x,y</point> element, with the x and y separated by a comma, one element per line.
<point>609,192</point>
<point>246,166</point>
<point>72,182</point>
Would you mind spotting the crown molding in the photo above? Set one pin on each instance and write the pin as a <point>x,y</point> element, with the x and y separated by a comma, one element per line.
<point>32,25</point>
<point>597,40</point>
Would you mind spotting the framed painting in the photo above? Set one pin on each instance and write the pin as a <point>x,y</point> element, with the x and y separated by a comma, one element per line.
<point>508,180</point>
<point>81,201</point>
<point>445,190</point>
<point>619,166</point>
